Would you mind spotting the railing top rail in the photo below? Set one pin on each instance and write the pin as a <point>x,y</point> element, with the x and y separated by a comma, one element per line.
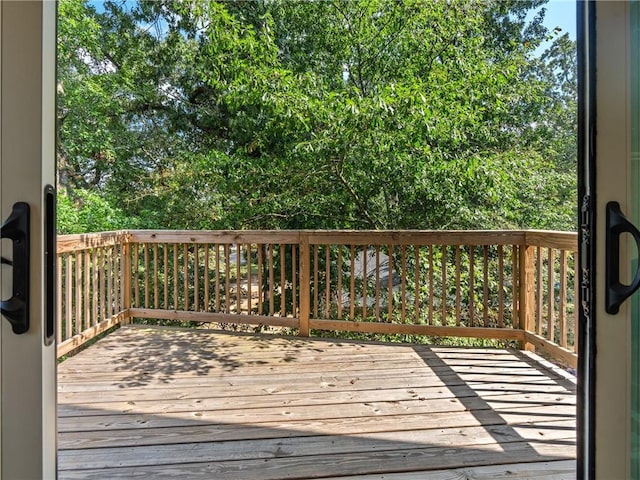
<point>416,237</point>
<point>215,236</point>
<point>552,239</point>
<point>542,238</point>
<point>83,241</point>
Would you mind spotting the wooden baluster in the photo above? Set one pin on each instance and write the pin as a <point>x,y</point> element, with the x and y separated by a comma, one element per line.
<point>431,289</point>
<point>390,285</point>
<point>185,275</point>
<point>118,262</point>
<point>102,261</point>
<point>260,276</point>
<point>249,264</point>
<point>294,285</point>
<point>500,286</point>
<point>69,297</point>
<point>77,323</point>
<point>117,276</point>
<point>327,286</point>
<point>175,277</point>
<point>403,284</point>
<point>551,293</point>
<point>108,251</point>
<point>196,277</point>
<point>352,296</point>
<point>94,286</point>
<point>339,282</point>
<point>127,278</point>
<point>444,285</point>
<point>515,309</point>
<point>62,286</point>
<point>146,275</point>
<point>562,317</point>
<point>227,275</point>
<point>283,281</point>
<point>539,292</point>
<point>108,272</point>
<point>272,281</point>
<point>485,286</point>
<point>156,272</point>
<point>377,307</point>
<point>238,278</point>
<point>472,290</point>
<point>86,319</point>
<point>136,278</point>
<point>165,265</point>
<point>217,279</point>
<point>365,293</point>
<point>316,285</point>
<point>416,252</point>
<point>458,288</point>
<point>207,278</point>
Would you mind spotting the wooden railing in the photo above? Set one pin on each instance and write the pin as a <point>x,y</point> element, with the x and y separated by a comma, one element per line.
<point>93,284</point>
<point>232,277</point>
<point>511,285</point>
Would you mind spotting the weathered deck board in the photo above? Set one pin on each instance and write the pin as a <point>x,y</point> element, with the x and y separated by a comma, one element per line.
<point>539,471</point>
<point>169,403</point>
<point>423,394</point>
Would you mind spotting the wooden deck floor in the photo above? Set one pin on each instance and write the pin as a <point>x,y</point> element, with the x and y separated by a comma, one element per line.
<point>170,403</point>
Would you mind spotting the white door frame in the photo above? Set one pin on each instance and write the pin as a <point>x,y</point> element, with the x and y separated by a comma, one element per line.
<point>27,165</point>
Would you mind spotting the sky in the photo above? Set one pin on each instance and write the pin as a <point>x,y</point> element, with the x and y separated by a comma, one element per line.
<point>559,13</point>
<point>562,13</point>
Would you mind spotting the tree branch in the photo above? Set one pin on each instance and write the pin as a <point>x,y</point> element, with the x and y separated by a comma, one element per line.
<point>356,198</point>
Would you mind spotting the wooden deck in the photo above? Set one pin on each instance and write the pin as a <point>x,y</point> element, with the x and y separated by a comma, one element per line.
<point>170,403</point>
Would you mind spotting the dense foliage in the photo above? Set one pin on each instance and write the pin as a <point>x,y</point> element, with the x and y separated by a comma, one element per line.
<point>318,114</point>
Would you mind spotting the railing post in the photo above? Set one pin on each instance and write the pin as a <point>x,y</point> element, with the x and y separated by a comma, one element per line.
<point>305,283</point>
<point>126,278</point>
<point>526,285</point>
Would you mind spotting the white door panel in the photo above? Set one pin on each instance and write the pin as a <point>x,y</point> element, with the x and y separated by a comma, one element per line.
<point>611,151</point>
<point>612,184</point>
<point>27,165</point>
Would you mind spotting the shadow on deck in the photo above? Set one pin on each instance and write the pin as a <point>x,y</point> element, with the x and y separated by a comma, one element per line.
<point>149,402</point>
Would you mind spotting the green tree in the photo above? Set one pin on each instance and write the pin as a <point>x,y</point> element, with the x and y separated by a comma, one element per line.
<point>336,114</point>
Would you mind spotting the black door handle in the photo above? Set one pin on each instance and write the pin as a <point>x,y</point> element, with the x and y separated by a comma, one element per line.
<point>16,228</point>
<point>617,292</point>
